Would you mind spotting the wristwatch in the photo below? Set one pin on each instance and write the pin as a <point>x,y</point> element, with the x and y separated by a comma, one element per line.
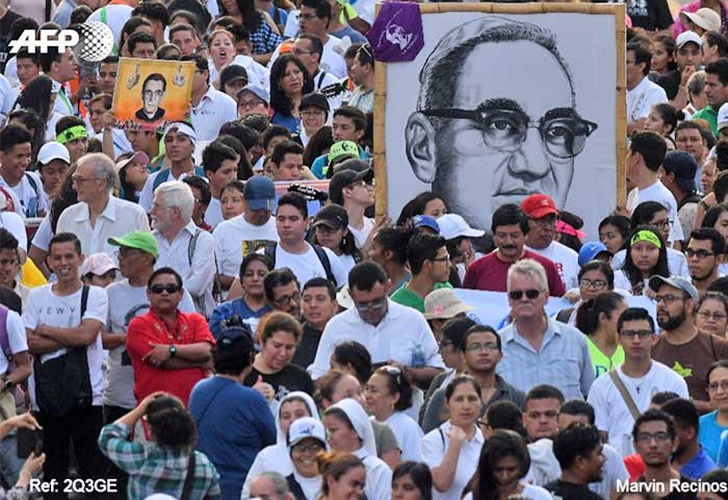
<point>8,384</point>
<point>172,351</point>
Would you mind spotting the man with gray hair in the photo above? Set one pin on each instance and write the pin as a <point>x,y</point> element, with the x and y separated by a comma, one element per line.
<point>271,486</point>
<point>484,142</point>
<point>182,245</point>
<point>98,215</point>
<point>537,349</point>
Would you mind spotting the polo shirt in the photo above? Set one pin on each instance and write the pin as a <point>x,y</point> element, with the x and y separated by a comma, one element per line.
<point>710,115</point>
<point>389,340</point>
<point>214,109</point>
<point>190,328</point>
<point>118,218</point>
<point>699,465</point>
<point>403,295</point>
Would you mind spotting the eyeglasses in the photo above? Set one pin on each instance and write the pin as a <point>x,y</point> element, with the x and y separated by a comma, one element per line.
<point>545,221</point>
<point>646,437</point>
<point>124,252</point>
<point>306,448</point>
<point>157,289</point>
<point>518,294</point>
<point>700,254</point>
<point>721,384</point>
<point>441,259</point>
<point>662,224</point>
<point>562,130</point>
<point>298,52</point>
<point>249,104</point>
<point>487,346</point>
<point>157,94</point>
<point>286,299</point>
<point>306,17</point>
<point>715,316</point>
<point>667,299</point>
<point>77,179</point>
<point>374,305</point>
<point>366,50</point>
<point>595,284</point>
<point>631,334</point>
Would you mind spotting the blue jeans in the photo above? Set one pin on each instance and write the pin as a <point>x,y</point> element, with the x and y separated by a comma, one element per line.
<point>10,464</point>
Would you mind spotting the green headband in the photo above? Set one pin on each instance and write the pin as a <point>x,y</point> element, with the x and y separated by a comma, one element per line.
<point>71,134</point>
<point>648,236</point>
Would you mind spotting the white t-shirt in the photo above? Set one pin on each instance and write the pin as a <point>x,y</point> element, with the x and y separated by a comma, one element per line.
<point>213,214</point>
<point>17,340</point>
<point>659,193</point>
<point>237,236</point>
<point>258,74</point>
<point>15,225</point>
<point>129,302</point>
<point>307,265</point>
<point>677,263</point>
<point>565,259</point>
<point>28,202</point>
<point>641,98</point>
<point>44,307</point>
<point>361,235</point>
<point>612,413</point>
<point>409,435</point>
<point>311,486</point>
<point>434,445</point>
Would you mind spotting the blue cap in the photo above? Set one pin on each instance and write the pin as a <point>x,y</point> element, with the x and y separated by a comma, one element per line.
<point>257,91</point>
<point>590,250</point>
<point>260,193</point>
<point>425,221</point>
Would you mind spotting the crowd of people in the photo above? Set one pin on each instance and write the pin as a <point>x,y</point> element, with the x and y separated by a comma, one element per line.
<point>180,319</point>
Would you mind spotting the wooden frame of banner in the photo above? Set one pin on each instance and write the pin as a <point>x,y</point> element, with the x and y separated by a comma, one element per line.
<point>618,10</point>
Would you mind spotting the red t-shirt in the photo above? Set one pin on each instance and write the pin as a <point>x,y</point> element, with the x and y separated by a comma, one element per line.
<point>490,273</point>
<point>191,328</point>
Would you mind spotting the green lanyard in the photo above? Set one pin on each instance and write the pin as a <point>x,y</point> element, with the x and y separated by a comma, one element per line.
<point>65,100</point>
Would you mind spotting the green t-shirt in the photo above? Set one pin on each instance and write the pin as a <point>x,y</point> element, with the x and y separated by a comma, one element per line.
<point>602,364</point>
<point>710,115</point>
<point>408,298</point>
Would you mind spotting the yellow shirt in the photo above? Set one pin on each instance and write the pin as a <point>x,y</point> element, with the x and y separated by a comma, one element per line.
<point>600,361</point>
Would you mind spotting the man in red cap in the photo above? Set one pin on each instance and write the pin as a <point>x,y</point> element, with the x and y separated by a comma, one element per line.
<point>542,215</point>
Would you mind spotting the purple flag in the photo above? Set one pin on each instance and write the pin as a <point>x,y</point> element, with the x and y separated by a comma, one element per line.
<point>397,35</point>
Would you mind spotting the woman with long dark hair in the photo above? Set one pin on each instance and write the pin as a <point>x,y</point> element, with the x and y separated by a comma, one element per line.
<point>425,203</point>
<point>504,461</point>
<point>646,256</point>
<point>289,82</point>
<point>38,95</point>
<point>597,319</point>
<point>655,214</point>
<point>613,232</point>
<point>412,481</point>
<point>264,34</point>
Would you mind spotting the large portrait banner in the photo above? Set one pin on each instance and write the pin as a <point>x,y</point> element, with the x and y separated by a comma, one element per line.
<point>503,101</point>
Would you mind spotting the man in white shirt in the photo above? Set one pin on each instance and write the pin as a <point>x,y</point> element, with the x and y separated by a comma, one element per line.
<point>641,377</point>
<point>25,188</point>
<point>98,215</point>
<point>644,159</point>
<point>541,212</point>
<point>641,92</point>
<point>182,245</point>
<point>354,191</point>
<point>210,107</point>
<point>297,254</point>
<point>377,323</point>
<point>310,50</point>
<point>248,232</point>
<point>60,67</point>
<point>314,19</point>
<point>62,324</point>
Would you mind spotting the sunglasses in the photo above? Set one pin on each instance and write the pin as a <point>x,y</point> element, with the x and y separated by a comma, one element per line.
<point>157,289</point>
<point>518,294</point>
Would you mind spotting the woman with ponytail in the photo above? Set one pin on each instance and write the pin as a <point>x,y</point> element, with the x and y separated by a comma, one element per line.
<point>597,319</point>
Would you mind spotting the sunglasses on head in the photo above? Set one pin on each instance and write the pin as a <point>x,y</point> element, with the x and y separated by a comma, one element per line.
<point>157,289</point>
<point>518,294</point>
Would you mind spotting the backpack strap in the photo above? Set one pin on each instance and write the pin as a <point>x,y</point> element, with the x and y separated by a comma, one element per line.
<point>4,341</point>
<point>691,198</point>
<point>33,184</point>
<point>161,177</point>
<point>324,258</point>
<point>84,300</point>
<point>563,315</point>
<point>192,245</point>
<point>626,396</point>
<point>189,478</point>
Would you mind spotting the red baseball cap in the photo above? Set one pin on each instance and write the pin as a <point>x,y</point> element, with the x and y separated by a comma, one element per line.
<point>538,205</point>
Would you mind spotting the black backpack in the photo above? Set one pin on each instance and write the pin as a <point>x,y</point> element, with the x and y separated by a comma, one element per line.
<point>270,252</point>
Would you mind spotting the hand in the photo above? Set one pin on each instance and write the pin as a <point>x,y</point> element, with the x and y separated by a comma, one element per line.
<point>142,406</point>
<point>108,120</point>
<point>24,421</point>
<point>133,78</point>
<point>33,465</point>
<point>687,72</point>
<point>179,78</point>
<point>158,355</point>
<point>264,388</point>
<point>457,435</point>
<point>572,297</point>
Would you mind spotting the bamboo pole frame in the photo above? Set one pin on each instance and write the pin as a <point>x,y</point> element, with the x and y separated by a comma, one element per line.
<point>616,10</point>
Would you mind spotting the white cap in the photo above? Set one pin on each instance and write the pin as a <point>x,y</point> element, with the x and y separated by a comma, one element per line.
<point>705,18</point>
<point>304,428</point>
<point>453,226</point>
<point>98,264</point>
<point>53,151</point>
<point>723,116</point>
<point>686,37</point>
<point>139,157</point>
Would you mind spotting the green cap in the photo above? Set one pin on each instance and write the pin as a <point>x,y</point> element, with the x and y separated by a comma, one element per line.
<point>343,148</point>
<point>141,240</point>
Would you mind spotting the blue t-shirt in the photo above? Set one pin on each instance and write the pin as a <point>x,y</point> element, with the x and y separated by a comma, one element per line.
<point>699,465</point>
<point>234,423</point>
<point>236,307</point>
<point>289,121</point>
<point>319,164</point>
<point>709,435</point>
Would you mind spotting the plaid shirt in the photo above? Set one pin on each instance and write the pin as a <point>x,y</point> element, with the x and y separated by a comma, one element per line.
<point>153,469</point>
<point>264,39</point>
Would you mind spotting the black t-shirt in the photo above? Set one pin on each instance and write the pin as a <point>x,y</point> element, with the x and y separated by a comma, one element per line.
<point>670,82</point>
<point>307,347</point>
<point>675,494</point>
<point>651,15</point>
<point>5,37</point>
<point>10,299</point>
<point>571,491</point>
<point>289,379</point>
